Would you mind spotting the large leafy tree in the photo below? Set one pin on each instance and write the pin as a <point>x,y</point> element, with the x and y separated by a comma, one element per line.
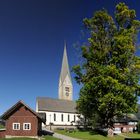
<point>110,70</point>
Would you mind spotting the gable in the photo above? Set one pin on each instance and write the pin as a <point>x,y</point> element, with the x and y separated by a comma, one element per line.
<point>20,109</point>
<point>67,80</point>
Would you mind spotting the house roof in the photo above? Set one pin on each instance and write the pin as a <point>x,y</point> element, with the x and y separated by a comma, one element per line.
<point>126,118</point>
<point>56,105</point>
<point>18,105</point>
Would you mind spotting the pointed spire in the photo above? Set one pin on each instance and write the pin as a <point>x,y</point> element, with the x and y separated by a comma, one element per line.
<point>65,65</point>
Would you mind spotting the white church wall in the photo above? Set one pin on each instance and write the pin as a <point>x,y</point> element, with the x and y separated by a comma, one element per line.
<point>57,118</point>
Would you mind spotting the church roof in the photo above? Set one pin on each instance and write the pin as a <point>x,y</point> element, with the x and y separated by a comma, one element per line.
<point>56,105</point>
<point>65,66</point>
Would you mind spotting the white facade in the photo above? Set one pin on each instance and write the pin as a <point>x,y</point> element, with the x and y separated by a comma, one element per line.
<point>60,118</point>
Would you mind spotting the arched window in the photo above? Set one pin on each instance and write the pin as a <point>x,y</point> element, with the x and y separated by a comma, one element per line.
<point>62,117</point>
<point>54,117</point>
<point>68,117</point>
<point>74,118</point>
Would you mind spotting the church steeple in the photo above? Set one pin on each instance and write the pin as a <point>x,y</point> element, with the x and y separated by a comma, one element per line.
<point>65,65</point>
<point>65,83</point>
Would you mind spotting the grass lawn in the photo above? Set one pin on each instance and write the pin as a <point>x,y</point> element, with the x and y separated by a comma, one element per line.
<point>18,139</point>
<point>1,126</point>
<point>86,135</point>
<point>133,135</point>
<point>43,138</point>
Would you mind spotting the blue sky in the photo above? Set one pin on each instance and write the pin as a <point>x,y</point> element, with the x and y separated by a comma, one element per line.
<point>32,34</point>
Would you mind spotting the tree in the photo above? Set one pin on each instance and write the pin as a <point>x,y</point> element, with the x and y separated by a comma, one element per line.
<point>110,71</point>
<point>138,127</point>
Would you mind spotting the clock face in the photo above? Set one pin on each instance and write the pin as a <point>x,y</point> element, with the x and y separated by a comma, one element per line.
<point>67,94</point>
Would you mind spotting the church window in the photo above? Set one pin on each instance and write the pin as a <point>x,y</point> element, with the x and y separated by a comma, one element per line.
<point>68,117</point>
<point>62,117</point>
<point>74,118</point>
<point>54,117</point>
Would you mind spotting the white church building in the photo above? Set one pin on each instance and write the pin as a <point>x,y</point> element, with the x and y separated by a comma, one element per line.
<point>61,111</point>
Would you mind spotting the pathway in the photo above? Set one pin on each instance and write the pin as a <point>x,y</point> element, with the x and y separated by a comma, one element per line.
<point>63,137</point>
<point>60,136</point>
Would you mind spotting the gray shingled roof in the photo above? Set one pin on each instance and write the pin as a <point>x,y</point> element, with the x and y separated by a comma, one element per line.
<point>49,104</point>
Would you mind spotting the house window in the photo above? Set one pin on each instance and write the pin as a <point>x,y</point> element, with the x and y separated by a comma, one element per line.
<point>54,117</point>
<point>68,117</point>
<point>62,117</point>
<point>16,126</point>
<point>26,126</point>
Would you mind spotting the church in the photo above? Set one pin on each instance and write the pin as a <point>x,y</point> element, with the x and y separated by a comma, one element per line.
<point>61,111</point>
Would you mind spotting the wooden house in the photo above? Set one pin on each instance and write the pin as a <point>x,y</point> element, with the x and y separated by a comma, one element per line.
<point>21,121</point>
